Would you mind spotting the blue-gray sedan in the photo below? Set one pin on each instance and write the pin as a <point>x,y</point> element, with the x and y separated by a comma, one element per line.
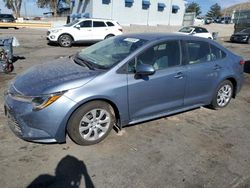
<point>119,81</point>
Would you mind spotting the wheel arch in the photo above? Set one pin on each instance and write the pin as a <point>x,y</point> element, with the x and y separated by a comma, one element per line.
<point>66,34</point>
<point>111,103</point>
<point>234,82</point>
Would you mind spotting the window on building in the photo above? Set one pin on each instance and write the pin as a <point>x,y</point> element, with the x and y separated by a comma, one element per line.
<point>129,3</point>
<point>106,2</point>
<point>175,9</point>
<point>110,24</point>
<point>161,6</point>
<point>98,24</point>
<point>87,23</point>
<point>146,4</point>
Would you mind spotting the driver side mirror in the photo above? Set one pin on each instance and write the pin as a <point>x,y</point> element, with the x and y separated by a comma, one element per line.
<point>77,26</point>
<point>194,32</point>
<point>144,69</point>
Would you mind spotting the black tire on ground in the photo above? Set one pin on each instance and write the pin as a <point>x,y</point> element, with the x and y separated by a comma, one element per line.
<point>248,41</point>
<point>215,104</point>
<point>65,40</point>
<point>76,121</point>
<point>109,36</point>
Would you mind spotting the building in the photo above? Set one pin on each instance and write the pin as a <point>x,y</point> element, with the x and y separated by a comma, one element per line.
<point>241,19</point>
<point>126,12</point>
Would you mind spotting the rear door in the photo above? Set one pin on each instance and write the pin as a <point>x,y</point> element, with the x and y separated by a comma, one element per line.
<point>100,30</point>
<point>163,91</point>
<point>202,73</point>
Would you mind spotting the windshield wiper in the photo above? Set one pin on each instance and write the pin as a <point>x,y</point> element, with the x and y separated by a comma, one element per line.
<point>83,62</point>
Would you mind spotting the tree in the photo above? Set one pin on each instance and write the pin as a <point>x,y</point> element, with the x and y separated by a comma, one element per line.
<point>14,5</point>
<point>215,11</point>
<point>194,7</point>
<point>52,4</point>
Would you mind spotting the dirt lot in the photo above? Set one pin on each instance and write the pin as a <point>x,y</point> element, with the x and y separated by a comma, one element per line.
<point>199,148</point>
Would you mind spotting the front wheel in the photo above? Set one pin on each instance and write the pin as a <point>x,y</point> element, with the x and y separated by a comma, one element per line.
<point>91,123</point>
<point>223,95</point>
<point>65,40</point>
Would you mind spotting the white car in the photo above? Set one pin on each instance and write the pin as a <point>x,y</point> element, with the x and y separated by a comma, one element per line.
<point>84,30</point>
<point>196,31</point>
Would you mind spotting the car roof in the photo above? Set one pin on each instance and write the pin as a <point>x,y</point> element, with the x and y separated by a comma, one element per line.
<point>193,26</point>
<point>162,36</point>
<point>96,19</point>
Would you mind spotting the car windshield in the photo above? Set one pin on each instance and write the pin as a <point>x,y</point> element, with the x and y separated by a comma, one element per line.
<point>111,51</point>
<point>245,31</point>
<point>71,23</point>
<point>186,29</point>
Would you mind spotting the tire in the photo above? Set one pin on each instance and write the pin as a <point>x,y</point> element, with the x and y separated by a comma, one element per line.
<point>85,127</point>
<point>222,95</point>
<point>65,40</point>
<point>109,36</point>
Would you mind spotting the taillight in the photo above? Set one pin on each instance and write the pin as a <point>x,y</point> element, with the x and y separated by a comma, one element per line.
<point>120,29</point>
<point>242,62</point>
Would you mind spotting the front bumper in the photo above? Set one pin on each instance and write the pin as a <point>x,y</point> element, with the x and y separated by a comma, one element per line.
<point>238,39</point>
<point>45,126</point>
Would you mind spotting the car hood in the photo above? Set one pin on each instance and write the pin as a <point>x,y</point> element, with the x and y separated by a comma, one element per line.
<point>60,75</point>
<point>178,32</point>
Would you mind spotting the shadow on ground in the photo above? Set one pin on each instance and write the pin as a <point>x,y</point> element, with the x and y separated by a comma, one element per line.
<point>247,67</point>
<point>68,174</point>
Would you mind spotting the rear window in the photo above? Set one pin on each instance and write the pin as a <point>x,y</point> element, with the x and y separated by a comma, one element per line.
<point>99,24</point>
<point>110,24</point>
<point>200,51</point>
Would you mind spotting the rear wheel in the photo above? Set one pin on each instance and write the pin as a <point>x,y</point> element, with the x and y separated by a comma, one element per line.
<point>223,95</point>
<point>109,36</point>
<point>91,123</point>
<point>65,40</point>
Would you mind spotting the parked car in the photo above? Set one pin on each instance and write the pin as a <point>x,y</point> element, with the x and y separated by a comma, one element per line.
<point>196,31</point>
<point>84,30</point>
<point>208,20</point>
<point>199,21</point>
<point>7,18</point>
<point>242,36</point>
<point>120,81</point>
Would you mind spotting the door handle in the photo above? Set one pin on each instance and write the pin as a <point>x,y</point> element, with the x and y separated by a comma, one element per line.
<point>89,30</point>
<point>179,75</point>
<point>217,67</point>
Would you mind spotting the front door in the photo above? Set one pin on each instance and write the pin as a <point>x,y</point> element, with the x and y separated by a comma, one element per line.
<point>85,32</point>
<point>152,95</point>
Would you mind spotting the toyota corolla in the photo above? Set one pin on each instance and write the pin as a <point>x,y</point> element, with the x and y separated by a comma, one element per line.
<point>122,80</point>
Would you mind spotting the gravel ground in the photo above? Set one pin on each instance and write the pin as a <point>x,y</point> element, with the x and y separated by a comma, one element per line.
<point>198,148</point>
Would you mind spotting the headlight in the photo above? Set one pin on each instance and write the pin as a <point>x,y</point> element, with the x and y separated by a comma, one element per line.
<point>39,102</point>
<point>55,31</point>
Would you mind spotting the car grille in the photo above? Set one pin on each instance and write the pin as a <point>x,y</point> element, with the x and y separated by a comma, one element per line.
<point>12,121</point>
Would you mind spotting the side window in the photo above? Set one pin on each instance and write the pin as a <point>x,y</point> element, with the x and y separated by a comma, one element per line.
<point>110,24</point>
<point>87,23</point>
<point>216,53</point>
<point>198,52</point>
<point>99,24</point>
<point>160,56</point>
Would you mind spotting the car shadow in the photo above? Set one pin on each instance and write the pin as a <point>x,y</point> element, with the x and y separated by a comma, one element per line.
<point>68,174</point>
<point>247,67</point>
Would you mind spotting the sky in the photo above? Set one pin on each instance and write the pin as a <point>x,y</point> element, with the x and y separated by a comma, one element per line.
<point>206,4</point>
<point>32,10</point>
